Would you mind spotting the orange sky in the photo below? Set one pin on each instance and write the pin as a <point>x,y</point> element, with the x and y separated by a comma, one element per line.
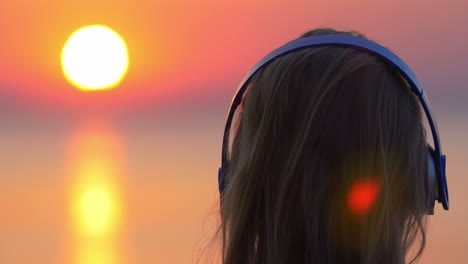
<point>188,47</point>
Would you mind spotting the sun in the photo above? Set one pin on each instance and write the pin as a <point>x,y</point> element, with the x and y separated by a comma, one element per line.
<point>94,58</point>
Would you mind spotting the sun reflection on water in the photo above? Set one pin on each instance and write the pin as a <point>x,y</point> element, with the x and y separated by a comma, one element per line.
<point>96,205</point>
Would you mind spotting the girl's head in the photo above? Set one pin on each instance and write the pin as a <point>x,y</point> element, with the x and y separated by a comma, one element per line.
<point>327,162</point>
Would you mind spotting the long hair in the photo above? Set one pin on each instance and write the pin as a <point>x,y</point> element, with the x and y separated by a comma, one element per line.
<point>328,163</point>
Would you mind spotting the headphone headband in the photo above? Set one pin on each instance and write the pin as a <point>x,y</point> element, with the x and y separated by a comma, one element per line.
<point>360,44</point>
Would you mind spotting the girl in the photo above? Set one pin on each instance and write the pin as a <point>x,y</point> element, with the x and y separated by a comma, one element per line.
<point>325,160</point>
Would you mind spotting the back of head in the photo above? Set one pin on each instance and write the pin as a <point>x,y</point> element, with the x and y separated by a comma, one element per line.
<point>328,163</point>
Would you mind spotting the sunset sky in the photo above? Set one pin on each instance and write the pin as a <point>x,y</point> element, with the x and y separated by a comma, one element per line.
<point>154,141</point>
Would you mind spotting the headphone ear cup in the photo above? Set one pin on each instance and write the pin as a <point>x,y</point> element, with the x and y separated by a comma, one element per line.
<point>221,180</point>
<point>432,186</point>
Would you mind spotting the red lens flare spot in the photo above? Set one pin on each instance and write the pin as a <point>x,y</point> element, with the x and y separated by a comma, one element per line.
<point>362,196</point>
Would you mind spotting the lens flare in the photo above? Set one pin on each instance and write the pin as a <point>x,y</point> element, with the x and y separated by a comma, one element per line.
<point>94,58</point>
<point>362,195</point>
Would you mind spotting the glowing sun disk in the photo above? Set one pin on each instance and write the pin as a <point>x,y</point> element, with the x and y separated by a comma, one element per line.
<point>94,58</point>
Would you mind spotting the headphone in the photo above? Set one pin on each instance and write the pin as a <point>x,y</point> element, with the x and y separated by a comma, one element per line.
<point>437,183</point>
